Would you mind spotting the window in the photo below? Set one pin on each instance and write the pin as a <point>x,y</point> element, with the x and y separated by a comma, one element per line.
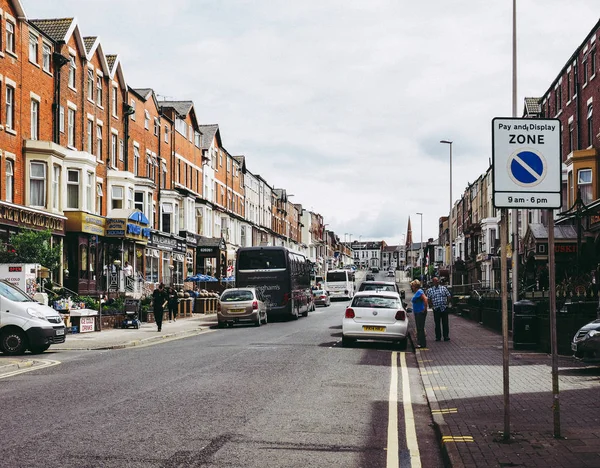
<point>73,188</point>
<point>139,201</point>
<point>113,150</point>
<point>593,62</point>
<point>55,187</point>
<point>61,119</point>
<point>148,165</point>
<point>33,48</point>
<point>10,107</point>
<point>90,137</point>
<point>121,150</point>
<point>181,126</point>
<point>35,120</point>
<point>71,127</point>
<point>129,198</point>
<point>99,90</point>
<point>198,139</point>
<point>89,193</point>
<point>37,184</point>
<point>99,142</point>
<point>117,197</point>
<point>571,140</point>
<point>136,160</point>
<point>10,181</point>
<point>10,37</point>
<point>166,134</point>
<point>584,183</point>
<point>220,160</point>
<point>46,53</point>
<point>585,70</point>
<point>167,214</point>
<point>72,68</point>
<point>113,99</point>
<point>146,119</point>
<point>133,109</point>
<point>590,126</point>
<point>90,85</point>
<point>156,126</point>
<point>99,195</point>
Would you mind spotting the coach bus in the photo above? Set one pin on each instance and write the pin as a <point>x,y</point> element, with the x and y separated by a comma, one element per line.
<point>340,284</point>
<point>283,277</point>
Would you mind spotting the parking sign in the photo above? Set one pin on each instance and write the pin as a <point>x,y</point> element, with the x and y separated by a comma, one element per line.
<point>526,163</point>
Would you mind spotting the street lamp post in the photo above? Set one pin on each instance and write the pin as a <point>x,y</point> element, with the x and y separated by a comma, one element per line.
<point>449,143</point>
<point>421,261</point>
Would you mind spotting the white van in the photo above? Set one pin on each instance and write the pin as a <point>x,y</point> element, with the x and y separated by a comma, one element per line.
<point>340,284</point>
<point>26,324</point>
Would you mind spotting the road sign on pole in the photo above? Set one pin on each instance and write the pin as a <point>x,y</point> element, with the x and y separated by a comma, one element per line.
<point>526,163</point>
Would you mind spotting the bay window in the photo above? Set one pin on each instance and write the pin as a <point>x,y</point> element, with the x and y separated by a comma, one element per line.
<point>117,196</point>
<point>584,183</point>
<point>37,184</point>
<point>56,187</point>
<point>10,180</point>
<point>89,192</point>
<point>73,188</point>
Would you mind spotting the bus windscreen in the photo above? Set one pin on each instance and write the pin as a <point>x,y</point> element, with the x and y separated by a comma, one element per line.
<point>334,276</point>
<point>261,260</point>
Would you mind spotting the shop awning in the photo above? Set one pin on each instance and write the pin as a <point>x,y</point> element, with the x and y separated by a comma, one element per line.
<point>130,215</point>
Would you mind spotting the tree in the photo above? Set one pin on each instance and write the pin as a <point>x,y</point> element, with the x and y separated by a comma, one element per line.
<point>30,246</point>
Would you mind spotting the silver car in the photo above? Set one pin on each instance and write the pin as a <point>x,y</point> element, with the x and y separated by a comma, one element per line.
<point>375,315</point>
<point>241,305</point>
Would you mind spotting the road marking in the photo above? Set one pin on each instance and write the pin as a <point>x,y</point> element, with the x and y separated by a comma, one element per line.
<point>436,388</point>
<point>409,417</point>
<point>430,372</point>
<point>445,411</point>
<point>393,460</point>
<point>447,439</point>
<point>45,363</point>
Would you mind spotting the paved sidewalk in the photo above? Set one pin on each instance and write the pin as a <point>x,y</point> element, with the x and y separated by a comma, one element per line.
<point>464,385</point>
<point>116,338</point>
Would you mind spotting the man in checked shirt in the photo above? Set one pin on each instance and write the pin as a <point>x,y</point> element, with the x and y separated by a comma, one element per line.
<point>439,297</point>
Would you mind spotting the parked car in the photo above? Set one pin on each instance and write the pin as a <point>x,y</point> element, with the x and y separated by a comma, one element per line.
<point>370,277</point>
<point>241,305</point>
<point>321,297</point>
<point>586,342</point>
<point>26,324</point>
<point>375,315</point>
<point>375,269</point>
<point>391,273</point>
<point>379,286</point>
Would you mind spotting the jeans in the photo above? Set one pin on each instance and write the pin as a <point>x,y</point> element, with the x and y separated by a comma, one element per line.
<point>420,321</point>
<point>172,311</point>
<point>440,315</point>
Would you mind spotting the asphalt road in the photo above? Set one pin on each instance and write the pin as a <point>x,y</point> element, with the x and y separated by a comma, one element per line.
<point>282,395</point>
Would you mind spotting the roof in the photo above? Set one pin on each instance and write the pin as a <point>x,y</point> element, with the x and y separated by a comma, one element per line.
<point>89,43</point>
<point>181,107</point>
<point>208,134</point>
<point>564,232</point>
<point>111,59</point>
<point>56,28</point>
<point>143,92</point>
<point>210,242</point>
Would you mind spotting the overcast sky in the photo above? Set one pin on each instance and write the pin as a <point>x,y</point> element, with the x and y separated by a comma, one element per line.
<point>344,102</point>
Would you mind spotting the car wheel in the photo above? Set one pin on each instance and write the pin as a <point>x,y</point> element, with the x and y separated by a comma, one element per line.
<point>305,313</point>
<point>221,324</point>
<point>38,349</point>
<point>402,344</point>
<point>265,319</point>
<point>13,342</point>
<point>347,341</point>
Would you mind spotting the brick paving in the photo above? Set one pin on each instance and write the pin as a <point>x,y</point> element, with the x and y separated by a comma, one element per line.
<point>464,385</point>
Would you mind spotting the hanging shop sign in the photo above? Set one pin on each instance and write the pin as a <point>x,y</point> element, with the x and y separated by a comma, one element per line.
<point>127,230</point>
<point>80,221</point>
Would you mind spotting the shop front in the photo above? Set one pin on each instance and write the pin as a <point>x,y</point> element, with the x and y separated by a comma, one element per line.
<point>14,218</point>
<point>211,256</point>
<point>191,243</point>
<point>127,234</point>
<point>83,252</point>
<point>166,258</point>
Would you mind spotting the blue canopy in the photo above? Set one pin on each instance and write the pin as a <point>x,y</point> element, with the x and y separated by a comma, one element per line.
<point>229,279</point>
<point>194,278</point>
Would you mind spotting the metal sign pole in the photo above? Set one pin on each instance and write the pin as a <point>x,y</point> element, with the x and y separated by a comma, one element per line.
<point>552,304</point>
<point>504,292</point>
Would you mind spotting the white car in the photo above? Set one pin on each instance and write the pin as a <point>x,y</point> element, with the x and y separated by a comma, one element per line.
<point>375,315</point>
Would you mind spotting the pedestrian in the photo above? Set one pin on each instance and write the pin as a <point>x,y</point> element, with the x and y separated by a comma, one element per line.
<point>173,300</point>
<point>128,269</point>
<point>159,301</point>
<point>419,303</point>
<point>439,296</point>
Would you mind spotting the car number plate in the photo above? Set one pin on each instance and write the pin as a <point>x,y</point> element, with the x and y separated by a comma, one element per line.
<point>374,329</point>
<point>574,346</point>
<point>237,311</point>
<point>60,331</point>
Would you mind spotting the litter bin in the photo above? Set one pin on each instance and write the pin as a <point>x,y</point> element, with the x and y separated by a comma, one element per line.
<point>524,325</point>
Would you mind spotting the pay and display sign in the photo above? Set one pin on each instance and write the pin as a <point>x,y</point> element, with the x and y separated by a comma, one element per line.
<point>526,163</point>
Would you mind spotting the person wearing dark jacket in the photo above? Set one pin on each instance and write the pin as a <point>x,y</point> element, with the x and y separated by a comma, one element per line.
<point>172,301</point>
<point>159,297</point>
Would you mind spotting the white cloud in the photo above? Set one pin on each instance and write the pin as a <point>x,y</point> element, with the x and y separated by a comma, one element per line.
<point>343,102</point>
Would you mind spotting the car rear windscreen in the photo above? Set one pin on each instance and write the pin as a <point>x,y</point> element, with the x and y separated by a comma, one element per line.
<point>378,287</point>
<point>377,302</point>
<point>261,260</point>
<point>336,276</point>
<point>237,296</point>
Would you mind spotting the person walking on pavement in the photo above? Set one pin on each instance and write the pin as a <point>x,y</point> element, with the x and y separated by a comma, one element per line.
<point>419,303</point>
<point>439,298</point>
<point>173,301</point>
<point>159,300</point>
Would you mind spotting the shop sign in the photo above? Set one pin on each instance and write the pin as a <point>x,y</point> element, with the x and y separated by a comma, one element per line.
<point>79,221</point>
<point>121,228</point>
<point>571,248</point>
<point>23,217</point>
<point>167,242</point>
<point>86,324</point>
<point>115,227</point>
<point>190,237</point>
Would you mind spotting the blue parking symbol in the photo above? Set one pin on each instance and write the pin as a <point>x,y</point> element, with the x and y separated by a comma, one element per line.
<point>527,168</point>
